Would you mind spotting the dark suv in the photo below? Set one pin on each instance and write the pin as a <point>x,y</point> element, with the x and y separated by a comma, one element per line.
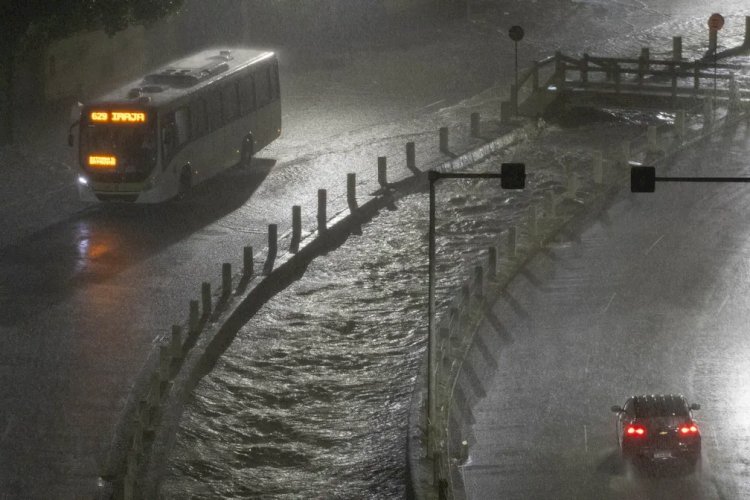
<point>658,428</point>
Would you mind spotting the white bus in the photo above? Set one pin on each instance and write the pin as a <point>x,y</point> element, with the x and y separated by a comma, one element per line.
<point>154,139</point>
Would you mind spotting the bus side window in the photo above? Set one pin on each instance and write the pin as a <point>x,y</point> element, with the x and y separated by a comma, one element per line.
<point>182,125</point>
<point>168,139</point>
<point>198,118</point>
<point>247,95</point>
<point>263,86</point>
<point>229,102</point>
<point>214,110</point>
<point>275,80</point>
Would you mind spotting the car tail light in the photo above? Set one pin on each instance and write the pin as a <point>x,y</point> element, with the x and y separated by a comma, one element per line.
<point>689,429</point>
<point>635,430</point>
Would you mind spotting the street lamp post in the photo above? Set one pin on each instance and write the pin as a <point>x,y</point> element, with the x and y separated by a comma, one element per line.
<point>512,176</point>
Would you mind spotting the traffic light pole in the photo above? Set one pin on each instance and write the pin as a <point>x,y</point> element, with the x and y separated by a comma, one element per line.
<point>513,176</point>
<point>643,179</point>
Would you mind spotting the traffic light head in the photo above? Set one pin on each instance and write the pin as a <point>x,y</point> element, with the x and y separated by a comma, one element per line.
<point>513,175</point>
<point>642,179</point>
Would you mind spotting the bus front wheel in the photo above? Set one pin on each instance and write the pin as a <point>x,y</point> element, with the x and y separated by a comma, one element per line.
<point>246,155</point>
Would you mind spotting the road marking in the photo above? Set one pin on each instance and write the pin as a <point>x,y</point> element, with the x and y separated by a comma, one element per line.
<point>654,244</point>
<point>436,102</point>
<point>606,308</point>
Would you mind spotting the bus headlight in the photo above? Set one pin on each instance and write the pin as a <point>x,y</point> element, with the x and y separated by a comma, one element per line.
<point>83,181</point>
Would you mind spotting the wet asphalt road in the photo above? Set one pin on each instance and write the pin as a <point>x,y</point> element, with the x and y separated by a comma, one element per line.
<point>652,299</point>
<point>84,300</point>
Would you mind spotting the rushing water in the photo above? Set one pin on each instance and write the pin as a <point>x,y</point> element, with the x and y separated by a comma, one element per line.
<point>311,399</point>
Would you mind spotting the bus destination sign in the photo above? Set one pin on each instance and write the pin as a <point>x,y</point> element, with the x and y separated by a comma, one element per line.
<point>102,161</point>
<point>118,116</point>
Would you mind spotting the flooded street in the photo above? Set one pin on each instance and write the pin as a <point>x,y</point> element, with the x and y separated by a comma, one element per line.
<point>311,399</point>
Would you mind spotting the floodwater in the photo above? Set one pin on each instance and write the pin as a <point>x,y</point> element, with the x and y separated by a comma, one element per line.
<point>311,399</point>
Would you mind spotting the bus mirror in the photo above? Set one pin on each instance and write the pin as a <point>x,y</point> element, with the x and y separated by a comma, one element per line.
<point>71,138</point>
<point>75,111</point>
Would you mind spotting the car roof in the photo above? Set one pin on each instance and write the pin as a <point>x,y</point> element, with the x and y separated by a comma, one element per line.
<point>651,405</point>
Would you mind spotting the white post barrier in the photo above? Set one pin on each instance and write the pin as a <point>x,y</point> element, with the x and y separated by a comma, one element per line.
<point>512,242</point>
<point>165,362</point>
<point>175,344</point>
<point>491,262</point>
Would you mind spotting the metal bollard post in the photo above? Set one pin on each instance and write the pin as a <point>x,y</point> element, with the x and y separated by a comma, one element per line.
<point>193,318</point>
<point>165,361</point>
<point>322,217</point>
<point>746,43</point>
<point>512,241</point>
<point>475,125</point>
<point>679,125</point>
<point>411,156</point>
<point>296,228</point>
<point>206,296</point>
<point>175,344</point>
<point>351,191</point>
<point>226,279</point>
<point>677,48</point>
<point>734,95</point>
<point>492,262</point>
<point>443,139</point>
<point>273,241</point>
<point>154,395</point>
<point>713,39</point>
<point>247,262</point>
<point>382,171</point>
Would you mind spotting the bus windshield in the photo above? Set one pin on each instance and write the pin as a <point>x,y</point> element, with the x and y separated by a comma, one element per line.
<point>128,150</point>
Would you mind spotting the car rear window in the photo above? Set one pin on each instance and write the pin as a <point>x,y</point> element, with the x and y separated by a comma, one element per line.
<point>660,408</point>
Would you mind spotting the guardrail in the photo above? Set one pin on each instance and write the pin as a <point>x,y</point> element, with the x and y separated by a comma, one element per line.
<point>554,76</point>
